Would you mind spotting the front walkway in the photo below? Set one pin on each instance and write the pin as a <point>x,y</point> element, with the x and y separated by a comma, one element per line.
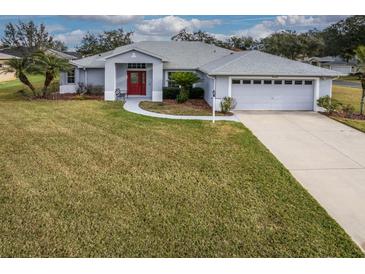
<point>326,157</point>
<point>132,105</point>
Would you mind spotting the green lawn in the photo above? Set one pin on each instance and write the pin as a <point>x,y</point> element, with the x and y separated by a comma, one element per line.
<point>9,90</point>
<point>171,107</point>
<point>350,78</point>
<point>352,96</point>
<point>88,179</point>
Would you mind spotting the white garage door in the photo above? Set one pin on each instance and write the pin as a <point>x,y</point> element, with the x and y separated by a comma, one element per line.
<point>272,94</point>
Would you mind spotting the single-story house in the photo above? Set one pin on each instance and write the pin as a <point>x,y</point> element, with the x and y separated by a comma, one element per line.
<point>256,80</point>
<point>336,63</point>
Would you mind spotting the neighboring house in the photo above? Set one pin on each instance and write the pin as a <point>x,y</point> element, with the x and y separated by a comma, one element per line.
<point>256,80</point>
<point>9,53</point>
<point>336,63</point>
<point>9,75</point>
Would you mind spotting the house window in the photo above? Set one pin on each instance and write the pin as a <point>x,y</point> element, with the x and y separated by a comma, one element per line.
<point>298,82</point>
<point>1,65</point>
<point>288,82</point>
<point>278,82</point>
<point>267,82</point>
<point>246,82</point>
<point>136,65</point>
<point>308,82</point>
<point>71,77</point>
<point>257,82</point>
<point>235,81</point>
<point>171,83</point>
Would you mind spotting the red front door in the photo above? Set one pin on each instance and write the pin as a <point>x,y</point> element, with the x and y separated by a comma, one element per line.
<point>136,82</point>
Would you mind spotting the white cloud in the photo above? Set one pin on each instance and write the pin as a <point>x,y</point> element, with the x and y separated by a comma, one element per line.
<point>298,23</point>
<point>112,19</point>
<point>289,20</point>
<point>71,38</point>
<point>168,25</point>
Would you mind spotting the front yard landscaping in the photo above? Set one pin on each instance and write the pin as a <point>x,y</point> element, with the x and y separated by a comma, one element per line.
<point>88,179</point>
<point>190,107</point>
<point>351,96</point>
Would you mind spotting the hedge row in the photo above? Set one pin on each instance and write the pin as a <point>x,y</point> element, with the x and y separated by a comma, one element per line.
<point>194,93</point>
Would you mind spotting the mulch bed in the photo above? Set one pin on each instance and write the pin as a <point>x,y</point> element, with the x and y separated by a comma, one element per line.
<point>194,103</point>
<point>354,116</point>
<point>70,96</point>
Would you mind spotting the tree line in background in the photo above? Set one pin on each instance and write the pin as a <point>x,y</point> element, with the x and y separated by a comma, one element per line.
<point>29,36</point>
<point>339,39</point>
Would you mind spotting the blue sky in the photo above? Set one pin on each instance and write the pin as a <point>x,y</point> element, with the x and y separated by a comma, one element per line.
<point>70,29</point>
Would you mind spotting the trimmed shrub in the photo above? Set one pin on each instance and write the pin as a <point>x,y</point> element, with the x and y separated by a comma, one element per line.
<point>329,104</point>
<point>182,98</point>
<point>170,92</point>
<point>227,104</point>
<point>89,89</point>
<point>94,90</point>
<point>196,93</point>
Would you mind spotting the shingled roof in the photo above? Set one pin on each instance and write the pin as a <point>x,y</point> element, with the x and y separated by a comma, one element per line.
<point>212,60</point>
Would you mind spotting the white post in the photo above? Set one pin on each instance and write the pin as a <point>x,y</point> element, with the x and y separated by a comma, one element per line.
<point>213,106</point>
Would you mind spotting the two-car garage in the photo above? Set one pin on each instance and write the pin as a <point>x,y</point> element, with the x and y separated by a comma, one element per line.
<point>272,94</point>
<point>262,81</point>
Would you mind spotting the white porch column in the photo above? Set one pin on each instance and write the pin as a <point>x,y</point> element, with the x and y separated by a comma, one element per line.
<point>157,78</point>
<point>316,94</point>
<point>110,81</point>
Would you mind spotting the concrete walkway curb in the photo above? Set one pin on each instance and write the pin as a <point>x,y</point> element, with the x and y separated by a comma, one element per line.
<point>132,105</point>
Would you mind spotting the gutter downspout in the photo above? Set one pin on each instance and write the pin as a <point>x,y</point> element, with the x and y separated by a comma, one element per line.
<point>214,95</point>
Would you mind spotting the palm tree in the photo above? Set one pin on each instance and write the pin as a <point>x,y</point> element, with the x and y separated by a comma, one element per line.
<point>21,67</point>
<point>185,80</point>
<point>51,66</point>
<point>360,56</point>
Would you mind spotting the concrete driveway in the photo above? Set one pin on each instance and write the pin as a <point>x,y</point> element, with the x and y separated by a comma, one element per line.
<point>326,157</point>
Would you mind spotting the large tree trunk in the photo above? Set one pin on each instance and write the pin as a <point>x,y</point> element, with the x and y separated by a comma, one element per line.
<point>23,78</point>
<point>47,81</point>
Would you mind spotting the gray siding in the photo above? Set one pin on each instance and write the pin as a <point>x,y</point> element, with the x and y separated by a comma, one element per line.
<point>208,85</point>
<point>325,87</point>
<point>95,76</point>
